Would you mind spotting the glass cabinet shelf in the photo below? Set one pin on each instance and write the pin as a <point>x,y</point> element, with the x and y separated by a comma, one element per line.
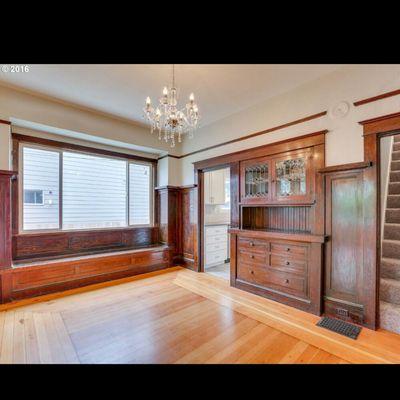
<point>291,177</point>
<point>257,181</point>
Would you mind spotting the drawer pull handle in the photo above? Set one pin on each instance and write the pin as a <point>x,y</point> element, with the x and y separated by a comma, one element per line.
<point>252,256</point>
<point>286,280</point>
<point>287,263</point>
<point>251,244</point>
<point>252,272</point>
<point>288,249</point>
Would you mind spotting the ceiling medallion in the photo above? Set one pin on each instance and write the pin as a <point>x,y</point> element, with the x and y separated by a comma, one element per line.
<point>340,110</point>
<point>170,121</point>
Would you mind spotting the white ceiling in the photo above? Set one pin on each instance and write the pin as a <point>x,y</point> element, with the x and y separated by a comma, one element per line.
<point>120,90</point>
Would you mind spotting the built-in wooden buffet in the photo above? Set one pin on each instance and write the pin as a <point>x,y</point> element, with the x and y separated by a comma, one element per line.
<point>277,250</point>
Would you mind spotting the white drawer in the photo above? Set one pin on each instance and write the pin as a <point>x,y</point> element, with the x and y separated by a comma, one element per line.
<point>216,246</point>
<point>216,239</point>
<point>216,230</point>
<point>215,257</point>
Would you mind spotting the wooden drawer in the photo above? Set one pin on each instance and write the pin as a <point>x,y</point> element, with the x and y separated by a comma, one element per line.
<point>255,245</point>
<point>216,230</point>
<point>252,258</point>
<point>216,246</point>
<point>281,281</point>
<point>289,250</point>
<point>215,257</point>
<point>288,264</point>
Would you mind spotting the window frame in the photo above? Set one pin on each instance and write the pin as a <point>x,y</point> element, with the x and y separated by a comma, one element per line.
<point>60,151</point>
<point>33,204</point>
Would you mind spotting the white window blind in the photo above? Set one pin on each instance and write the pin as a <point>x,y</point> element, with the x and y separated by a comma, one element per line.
<point>94,192</point>
<point>40,189</point>
<point>140,194</point>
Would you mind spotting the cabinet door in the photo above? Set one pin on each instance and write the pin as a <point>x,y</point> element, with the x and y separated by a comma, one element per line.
<point>292,177</point>
<point>255,181</point>
<point>218,186</point>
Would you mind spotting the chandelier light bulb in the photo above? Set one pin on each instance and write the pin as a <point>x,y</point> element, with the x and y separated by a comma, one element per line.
<point>191,97</point>
<point>165,91</point>
<point>148,101</point>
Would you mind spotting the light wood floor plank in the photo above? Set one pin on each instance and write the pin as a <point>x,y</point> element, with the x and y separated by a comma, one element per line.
<point>31,342</point>
<point>176,316</point>
<point>19,353</point>
<point>7,343</point>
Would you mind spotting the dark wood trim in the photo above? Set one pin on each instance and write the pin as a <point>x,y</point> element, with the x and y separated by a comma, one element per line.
<point>381,124</point>
<point>374,129</point>
<point>168,155</point>
<point>293,143</point>
<point>376,98</point>
<point>5,219</point>
<point>251,135</point>
<point>2,121</point>
<point>280,235</point>
<point>345,167</point>
<point>275,128</point>
<point>77,147</point>
<point>167,187</point>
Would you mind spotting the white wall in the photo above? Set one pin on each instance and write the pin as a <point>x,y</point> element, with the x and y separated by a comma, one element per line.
<point>344,142</point>
<point>5,147</point>
<point>41,110</point>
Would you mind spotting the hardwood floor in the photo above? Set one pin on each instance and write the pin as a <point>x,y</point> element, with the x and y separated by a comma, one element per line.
<point>150,319</point>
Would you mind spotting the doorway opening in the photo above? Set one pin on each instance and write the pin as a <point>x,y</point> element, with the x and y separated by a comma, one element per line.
<point>389,279</point>
<point>217,220</point>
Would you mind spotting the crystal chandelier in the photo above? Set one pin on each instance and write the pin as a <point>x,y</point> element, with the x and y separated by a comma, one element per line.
<point>170,121</point>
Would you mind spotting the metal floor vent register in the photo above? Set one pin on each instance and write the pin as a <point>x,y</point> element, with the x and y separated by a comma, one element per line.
<point>341,327</point>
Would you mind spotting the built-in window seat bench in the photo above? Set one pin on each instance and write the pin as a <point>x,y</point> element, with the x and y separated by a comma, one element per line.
<point>39,276</point>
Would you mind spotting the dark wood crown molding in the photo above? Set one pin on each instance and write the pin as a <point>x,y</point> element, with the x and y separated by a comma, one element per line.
<point>168,155</point>
<point>2,121</point>
<point>376,98</point>
<point>77,147</point>
<point>275,128</point>
<point>381,124</point>
<point>293,143</point>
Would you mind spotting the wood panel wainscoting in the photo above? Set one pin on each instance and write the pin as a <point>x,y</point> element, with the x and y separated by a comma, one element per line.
<point>32,246</point>
<point>347,289</point>
<point>177,206</point>
<point>38,278</point>
<point>5,218</point>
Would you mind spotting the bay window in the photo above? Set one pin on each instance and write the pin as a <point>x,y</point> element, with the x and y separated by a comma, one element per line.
<point>68,190</point>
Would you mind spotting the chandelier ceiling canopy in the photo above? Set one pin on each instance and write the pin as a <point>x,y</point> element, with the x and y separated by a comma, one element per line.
<point>168,119</point>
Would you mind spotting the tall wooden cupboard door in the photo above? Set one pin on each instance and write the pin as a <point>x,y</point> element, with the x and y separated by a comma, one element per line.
<point>343,297</point>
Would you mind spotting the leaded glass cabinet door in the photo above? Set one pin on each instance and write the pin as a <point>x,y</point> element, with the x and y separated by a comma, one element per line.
<point>256,181</point>
<point>291,177</point>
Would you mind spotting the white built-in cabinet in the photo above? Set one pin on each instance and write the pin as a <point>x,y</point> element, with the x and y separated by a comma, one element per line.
<point>214,187</point>
<point>216,245</point>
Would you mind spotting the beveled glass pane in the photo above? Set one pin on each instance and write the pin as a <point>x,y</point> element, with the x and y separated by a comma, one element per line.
<point>256,180</point>
<point>291,177</point>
